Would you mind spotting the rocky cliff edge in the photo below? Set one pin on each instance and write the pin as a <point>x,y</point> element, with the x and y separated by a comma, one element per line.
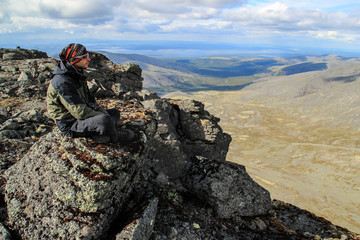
<point>173,182</point>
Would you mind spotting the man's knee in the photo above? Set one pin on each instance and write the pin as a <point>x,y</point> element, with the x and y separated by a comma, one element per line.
<point>114,113</point>
<point>99,124</point>
<point>104,121</point>
<point>104,118</point>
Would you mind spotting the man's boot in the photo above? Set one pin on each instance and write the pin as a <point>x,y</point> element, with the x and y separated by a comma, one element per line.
<point>125,136</point>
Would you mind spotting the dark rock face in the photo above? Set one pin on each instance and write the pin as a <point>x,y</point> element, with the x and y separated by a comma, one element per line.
<point>21,54</point>
<point>171,183</point>
<point>112,80</point>
<point>182,217</point>
<point>184,130</point>
<point>227,188</point>
<point>142,227</point>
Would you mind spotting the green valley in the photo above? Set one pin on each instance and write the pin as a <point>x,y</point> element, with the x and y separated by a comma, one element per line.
<point>215,73</point>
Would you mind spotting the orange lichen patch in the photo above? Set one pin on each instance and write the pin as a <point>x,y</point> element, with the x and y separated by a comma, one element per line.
<point>109,149</point>
<point>117,67</point>
<point>94,176</point>
<point>11,102</point>
<point>111,105</point>
<point>84,157</point>
<point>205,122</point>
<point>132,117</point>
<point>130,112</point>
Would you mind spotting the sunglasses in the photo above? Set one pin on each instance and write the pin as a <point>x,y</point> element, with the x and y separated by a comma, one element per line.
<point>83,56</point>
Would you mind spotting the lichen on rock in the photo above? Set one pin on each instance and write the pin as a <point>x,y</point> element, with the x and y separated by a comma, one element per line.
<point>227,188</point>
<point>76,196</point>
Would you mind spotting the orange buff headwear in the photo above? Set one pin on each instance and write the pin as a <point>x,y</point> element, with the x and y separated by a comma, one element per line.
<point>72,52</point>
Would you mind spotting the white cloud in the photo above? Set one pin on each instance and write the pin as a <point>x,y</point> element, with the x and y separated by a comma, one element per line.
<point>280,17</point>
<point>173,9</point>
<point>334,35</point>
<point>198,26</point>
<point>200,13</point>
<point>86,13</point>
<point>79,11</point>
<point>53,9</point>
<point>165,6</point>
<point>328,5</point>
<point>177,18</point>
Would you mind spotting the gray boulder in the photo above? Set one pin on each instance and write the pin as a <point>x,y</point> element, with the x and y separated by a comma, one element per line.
<point>203,135</point>
<point>142,227</point>
<point>147,95</point>
<point>69,189</point>
<point>107,79</point>
<point>227,188</point>
<point>184,129</point>
<point>20,54</point>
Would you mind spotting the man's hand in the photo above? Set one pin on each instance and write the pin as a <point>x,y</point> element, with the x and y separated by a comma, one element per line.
<point>93,106</point>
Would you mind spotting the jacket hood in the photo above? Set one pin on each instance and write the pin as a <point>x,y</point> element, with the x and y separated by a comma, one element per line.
<point>60,68</point>
<point>63,68</point>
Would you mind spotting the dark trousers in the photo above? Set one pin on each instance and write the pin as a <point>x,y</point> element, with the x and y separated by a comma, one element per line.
<point>103,124</point>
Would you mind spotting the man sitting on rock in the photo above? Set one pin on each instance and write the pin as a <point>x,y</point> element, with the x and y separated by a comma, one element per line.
<point>73,107</point>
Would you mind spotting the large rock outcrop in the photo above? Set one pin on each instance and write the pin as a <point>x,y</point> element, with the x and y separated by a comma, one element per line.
<point>111,80</point>
<point>226,187</point>
<point>21,54</point>
<point>184,130</point>
<point>69,189</point>
<point>173,182</point>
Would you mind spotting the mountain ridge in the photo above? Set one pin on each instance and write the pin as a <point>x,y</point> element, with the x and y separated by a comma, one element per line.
<point>167,75</point>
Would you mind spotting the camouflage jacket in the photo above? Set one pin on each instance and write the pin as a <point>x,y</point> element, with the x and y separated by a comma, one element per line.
<point>69,99</point>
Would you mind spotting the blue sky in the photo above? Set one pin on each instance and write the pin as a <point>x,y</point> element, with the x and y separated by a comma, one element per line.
<point>138,26</point>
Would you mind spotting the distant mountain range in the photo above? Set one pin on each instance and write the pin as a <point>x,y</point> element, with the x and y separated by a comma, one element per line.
<point>215,73</point>
<point>297,131</point>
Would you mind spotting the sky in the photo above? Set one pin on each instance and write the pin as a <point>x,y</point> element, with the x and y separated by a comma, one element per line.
<point>169,27</point>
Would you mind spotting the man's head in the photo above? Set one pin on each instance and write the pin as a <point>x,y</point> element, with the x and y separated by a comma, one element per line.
<point>75,54</point>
